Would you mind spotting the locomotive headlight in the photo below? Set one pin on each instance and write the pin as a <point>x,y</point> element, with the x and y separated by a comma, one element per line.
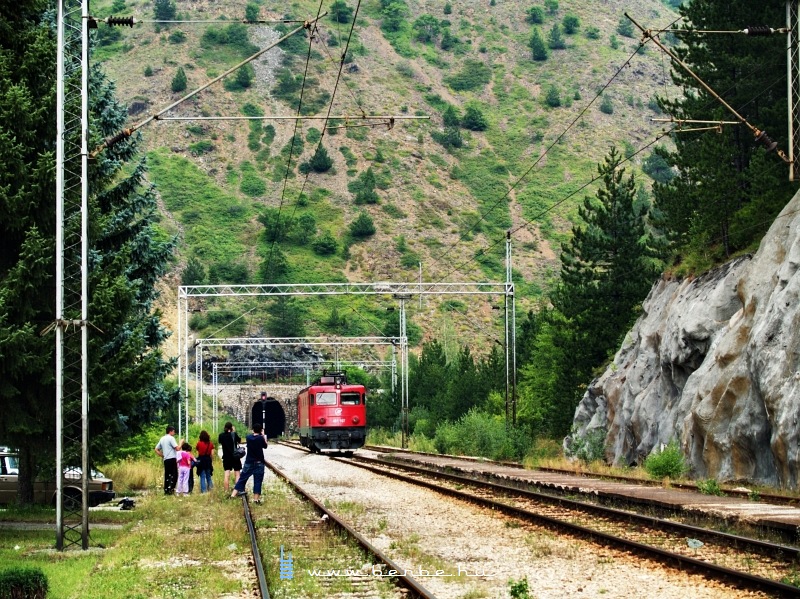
<point>355,420</point>
<point>322,419</point>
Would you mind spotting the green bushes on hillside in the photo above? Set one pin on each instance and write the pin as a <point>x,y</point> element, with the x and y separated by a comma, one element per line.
<point>473,75</point>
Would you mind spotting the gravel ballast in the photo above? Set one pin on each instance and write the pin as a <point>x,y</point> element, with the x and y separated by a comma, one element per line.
<point>483,551</point>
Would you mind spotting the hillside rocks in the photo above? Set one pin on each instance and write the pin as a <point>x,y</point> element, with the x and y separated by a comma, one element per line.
<point>714,362</point>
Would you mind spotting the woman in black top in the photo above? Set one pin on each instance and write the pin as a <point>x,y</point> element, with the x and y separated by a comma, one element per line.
<point>228,441</point>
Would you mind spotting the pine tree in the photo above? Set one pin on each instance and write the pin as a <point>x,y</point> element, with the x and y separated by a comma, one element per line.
<point>287,318</point>
<point>607,268</point>
<point>537,46</point>
<point>164,10</point>
<point>727,190</point>
<point>428,382</point>
<point>126,368</point>
<point>450,116</point>
<point>555,39</point>
<point>321,162</point>
<point>362,226</point>
<point>274,268</point>
<point>179,81</point>
<point>340,12</point>
<point>474,119</point>
<point>194,273</point>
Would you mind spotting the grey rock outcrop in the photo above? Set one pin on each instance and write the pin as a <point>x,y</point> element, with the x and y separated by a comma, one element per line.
<point>713,362</point>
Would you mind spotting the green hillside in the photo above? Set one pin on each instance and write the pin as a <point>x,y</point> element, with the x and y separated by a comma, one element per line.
<point>510,142</point>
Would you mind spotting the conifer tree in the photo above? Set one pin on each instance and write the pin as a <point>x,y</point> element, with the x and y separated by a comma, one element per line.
<point>607,268</point>
<point>727,189</point>
<point>164,10</point>
<point>555,39</point>
<point>537,46</point>
<point>179,80</point>
<point>321,162</point>
<point>126,368</point>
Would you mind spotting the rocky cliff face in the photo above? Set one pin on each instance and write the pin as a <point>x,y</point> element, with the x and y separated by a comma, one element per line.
<point>713,362</point>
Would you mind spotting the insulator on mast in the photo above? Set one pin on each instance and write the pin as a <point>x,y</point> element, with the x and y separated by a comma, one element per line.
<point>121,21</point>
<point>758,30</point>
<point>765,140</point>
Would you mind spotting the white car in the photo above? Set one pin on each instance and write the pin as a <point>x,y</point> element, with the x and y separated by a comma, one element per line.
<point>101,489</point>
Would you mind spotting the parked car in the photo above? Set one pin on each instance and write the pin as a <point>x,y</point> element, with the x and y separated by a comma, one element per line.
<point>101,489</point>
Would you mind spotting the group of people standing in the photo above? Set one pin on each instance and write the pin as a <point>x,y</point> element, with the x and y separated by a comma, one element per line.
<point>179,461</point>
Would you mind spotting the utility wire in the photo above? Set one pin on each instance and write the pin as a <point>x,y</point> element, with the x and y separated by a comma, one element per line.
<point>485,250</point>
<point>322,136</point>
<point>525,174</point>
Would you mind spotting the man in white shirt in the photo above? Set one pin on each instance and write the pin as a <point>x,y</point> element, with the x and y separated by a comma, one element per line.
<point>167,450</point>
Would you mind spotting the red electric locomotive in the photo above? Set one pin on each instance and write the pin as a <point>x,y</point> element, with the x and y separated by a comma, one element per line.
<point>332,414</point>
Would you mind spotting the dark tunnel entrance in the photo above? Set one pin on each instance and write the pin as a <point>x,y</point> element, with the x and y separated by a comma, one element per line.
<point>269,412</point>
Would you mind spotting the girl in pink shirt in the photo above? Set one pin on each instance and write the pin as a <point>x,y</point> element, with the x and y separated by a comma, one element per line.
<point>185,461</point>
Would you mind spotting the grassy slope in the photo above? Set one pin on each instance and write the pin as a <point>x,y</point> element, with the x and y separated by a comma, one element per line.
<point>447,206</point>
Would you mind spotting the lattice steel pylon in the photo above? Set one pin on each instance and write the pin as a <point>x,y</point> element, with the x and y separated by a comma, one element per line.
<point>71,326</point>
<point>793,78</point>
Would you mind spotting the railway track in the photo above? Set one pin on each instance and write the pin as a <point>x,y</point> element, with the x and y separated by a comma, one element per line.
<point>342,562</point>
<point>254,550</point>
<point>750,494</point>
<point>745,562</point>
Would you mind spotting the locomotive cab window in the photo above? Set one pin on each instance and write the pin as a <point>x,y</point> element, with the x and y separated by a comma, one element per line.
<point>326,398</point>
<point>351,399</point>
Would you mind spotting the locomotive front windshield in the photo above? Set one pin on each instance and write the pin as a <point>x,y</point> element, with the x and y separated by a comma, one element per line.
<point>351,399</point>
<point>326,398</point>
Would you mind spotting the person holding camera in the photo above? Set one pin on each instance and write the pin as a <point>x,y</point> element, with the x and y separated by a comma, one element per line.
<point>253,464</point>
<point>229,441</point>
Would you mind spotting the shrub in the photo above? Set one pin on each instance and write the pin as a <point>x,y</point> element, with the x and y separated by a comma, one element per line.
<point>362,226</point>
<point>177,37</point>
<point>589,447</point>
<point>325,244</point>
<point>625,27</point>
<point>252,185</point>
<point>201,147</point>
<point>472,76</point>
<point>535,15</point>
<point>405,69</point>
<point>474,119</point>
<point>449,138</point>
<point>606,106</point>
<point>251,12</point>
<point>571,24</point>
<point>30,583</point>
<point>340,12</point>
<point>710,487</point>
<point>669,462</point>
<point>480,434</point>
<point>592,32</point>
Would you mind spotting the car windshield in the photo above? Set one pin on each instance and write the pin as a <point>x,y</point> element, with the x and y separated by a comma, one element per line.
<point>13,465</point>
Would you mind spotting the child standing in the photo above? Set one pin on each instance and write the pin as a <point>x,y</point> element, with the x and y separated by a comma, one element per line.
<point>185,463</point>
